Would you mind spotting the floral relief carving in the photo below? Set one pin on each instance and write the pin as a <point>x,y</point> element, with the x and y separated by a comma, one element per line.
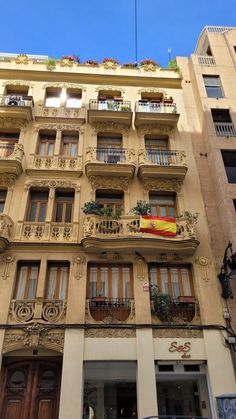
<point>110,127</point>
<point>204,264</point>
<point>22,311</point>
<point>106,183</point>
<point>65,86</point>
<point>13,122</point>
<point>110,65</point>
<point>153,90</point>
<point>6,225</point>
<point>154,129</point>
<point>162,184</point>
<point>7,179</point>
<point>6,261</point>
<point>58,127</point>
<point>177,333</point>
<point>80,262</point>
<point>52,184</point>
<point>110,333</point>
<point>22,59</point>
<point>53,311</point>
<point>110,89</point>
<point>141,269</point>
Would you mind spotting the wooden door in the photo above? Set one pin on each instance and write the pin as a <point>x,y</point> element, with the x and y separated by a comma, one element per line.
<point>30,390</point>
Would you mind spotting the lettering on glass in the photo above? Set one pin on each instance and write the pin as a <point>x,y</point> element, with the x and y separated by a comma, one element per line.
<point>184,349</point>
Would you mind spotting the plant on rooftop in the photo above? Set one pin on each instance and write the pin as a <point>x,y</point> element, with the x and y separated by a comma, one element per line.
<point>73,58</point>
<point>172,65</point>
<point>51,63</point>
<point>110,60</point>
<point>148,61</point>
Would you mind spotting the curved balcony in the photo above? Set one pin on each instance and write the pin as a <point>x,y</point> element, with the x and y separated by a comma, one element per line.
<point>180,310</point>
<point>105,234</point>
<point>63,113</point>
<point>156,113</point>
<point>56,166</point>
<point>11,156</point>
<point>6,225</point>
<point>110,110</point>
<point>49,311</point>
<point>110,310</point>
<point>17,106</point>
<point>162,163</point>
<point>49,232</point>
<point>110,162</point>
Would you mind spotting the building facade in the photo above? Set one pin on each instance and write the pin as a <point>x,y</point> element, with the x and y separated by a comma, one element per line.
<point>81,146</point>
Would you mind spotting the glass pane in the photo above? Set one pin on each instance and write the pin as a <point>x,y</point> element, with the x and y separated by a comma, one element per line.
<point>17,378</point>
<point>68,212</point>
<point>52,283</point>
<point>126,282</point>
<point>73,150</point>
<point>214,92</point>
<point>104,281</point>
<point>21,283</point>
<point>63,283</point>
<point>32,213</point>
<point>171,212</point>
<point>93,282</point>
<point>53,102</point>
<point>42,149</point>
<point>42,211</point>
<point>50,149</point>
<point>115,282</point>
<point>175,282</point>
<point>32,282</point>
<point>73,103</point>
<point>164,280</point>
<point>153,275</point>
<point>47,379</point>
<point>186,281</point>
<point>163,212</point>
<point>2,204</point>
<point>59,210</point>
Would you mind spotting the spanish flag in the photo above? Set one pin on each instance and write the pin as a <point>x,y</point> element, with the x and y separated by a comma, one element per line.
<point>162,226</point>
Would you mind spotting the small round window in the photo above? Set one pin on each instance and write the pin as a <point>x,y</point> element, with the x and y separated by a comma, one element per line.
<point>17,378</point>
<point>48,378</point>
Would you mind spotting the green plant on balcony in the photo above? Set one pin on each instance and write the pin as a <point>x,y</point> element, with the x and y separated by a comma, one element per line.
<point>92,207</point>
<point>141,208</point>
<point>51,63</point>
<point>125,108</point>
<point>162,303</point>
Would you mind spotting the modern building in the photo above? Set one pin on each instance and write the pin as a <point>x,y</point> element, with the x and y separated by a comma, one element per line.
<point>80,147</point>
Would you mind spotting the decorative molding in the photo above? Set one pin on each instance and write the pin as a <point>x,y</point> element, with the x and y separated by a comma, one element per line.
<point>177,333</point>
<point>110,127</point>
<point>149,67</point>
<point>204,264</point>
<point>110,256</point>
<point>65,86</point>
<point>58,127</point>
<point>162,184</point>
<point>6,259</point>
<point>7,179</point>
<point>102,182</point>
<point>110,65</point>
<point>141,269</point>
<point>22,59</point>
<point>110,88</point>
<point>52,184</point>
<point>17,83</point>
<point>9,122</point>
<point>80,262</point>
<point>153,90</point>
<point>110,333</point>
<point>166,258</point>
<point>154,129</point>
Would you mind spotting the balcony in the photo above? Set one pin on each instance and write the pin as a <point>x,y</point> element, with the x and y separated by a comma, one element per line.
<point>122,235</point>
<point>162,163</point>
<point>63,113</point>
<point>110,110</point>
<point>6,225</point>
<point>55,166</point>
<point>46,232</point>
<point>179,310</point>
<point>17,106</point>
<point>225,129</point>
<point>110,310</point>
<point>206,60</point>
<point>110,162</point>
<point>11,156</point>
<point>156,113</point>
<point>48,311</point>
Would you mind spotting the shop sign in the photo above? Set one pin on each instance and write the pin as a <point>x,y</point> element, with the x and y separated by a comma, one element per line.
<point>183,349</point>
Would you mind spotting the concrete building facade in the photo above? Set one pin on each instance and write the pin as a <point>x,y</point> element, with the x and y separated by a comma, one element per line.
<point>81,146</point>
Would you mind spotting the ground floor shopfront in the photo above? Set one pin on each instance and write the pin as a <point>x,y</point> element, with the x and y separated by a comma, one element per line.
<point>127,375</point>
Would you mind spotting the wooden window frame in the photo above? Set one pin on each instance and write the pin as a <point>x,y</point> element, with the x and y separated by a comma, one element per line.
<point>29,266</point>
<point>70,142</point>
<point>180,278</point>
<point>59,266</point>
<point>120,285</point>
<point>46,141</point>
<point>38,204</point>
<point>110,202</point>
<point>64,206</point>
<point>167,207</point>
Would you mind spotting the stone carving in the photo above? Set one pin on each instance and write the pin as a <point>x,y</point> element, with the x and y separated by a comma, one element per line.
<point>149,67</point>
<point>53,184</point>
<point>154,129</point>
<point>80,262</point>
<point>110,127</point>
<point>22,311</point>
<point>204,264</point>
<point>110,256</point>
<point>56,162</point>
<point>47,231</point>
<point>53,311</point>
<point>7,179</point>
<point>9,122</point>
<point>58,127</point>
<point>17,83</point>
<point>65,86</point>
<point>6,225</point>
<point>162,184</point>
<point>127,155</point>
<point>155,90</point>
<point>110,65</point>
<point>22,59</point>
<point>34,336</point>
<point>177,333</point>
<point>61,112</point>
<point>110,333</point>
<point>110,89</point>
<point>98,182</point>
<point>174,157</point>
<point>141,269</point>
<point>65,62</point>
<point>6,259</point>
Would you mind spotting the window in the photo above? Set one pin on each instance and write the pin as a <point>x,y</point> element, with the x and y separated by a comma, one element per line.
<point>111,281</point>
<point>156,148</point>
<point>73,98</point>
<point>46,143</point>
<point>64,206</point>
<point>3,195</point>
<point>109,148</point>
<point>213,86</point>
<point>26,283</point>
<point>162,205</point>
<point>53,98</point>
<point>229,159</point>
<point>57,281</point>
<point>172,280</point>
<point>7,142</point>
<point>37,206</point>
<point>69,146</point>
<point>223,123</point>
<point>111,199</point>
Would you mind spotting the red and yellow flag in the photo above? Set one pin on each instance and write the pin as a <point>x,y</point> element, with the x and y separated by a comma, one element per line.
<point>162,226</point>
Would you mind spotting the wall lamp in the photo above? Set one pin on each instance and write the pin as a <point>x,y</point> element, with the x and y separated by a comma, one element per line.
<point>227,272</point>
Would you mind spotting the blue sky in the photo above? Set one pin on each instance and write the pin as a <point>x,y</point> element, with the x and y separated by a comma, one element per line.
<point>94,29</point>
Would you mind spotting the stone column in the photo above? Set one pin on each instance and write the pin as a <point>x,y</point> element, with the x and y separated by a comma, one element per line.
<point>51,199</point>
<point>58,143</point>
<point>8,199</point>
<point>40,289</point>
<point>24,201</point>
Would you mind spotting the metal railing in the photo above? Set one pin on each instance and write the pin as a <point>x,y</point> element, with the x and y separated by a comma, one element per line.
<point>206,60</point>
<point>164,157</point>
<point>225,129</point>
<point>111,308</point>
<point>16,100</point>
<point>111,155</point>
<point>110,105</point>
<point>180,308</point>
<point>155,107</point>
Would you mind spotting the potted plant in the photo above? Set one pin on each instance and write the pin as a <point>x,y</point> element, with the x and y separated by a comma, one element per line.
<point>162,303</point>
<point>69,60</point>
<point>51,63</point>
<point>141,208</point>
<point>149,65</point>
<point>110,63</point>
<point>92,207</point>
<point>169,100</point>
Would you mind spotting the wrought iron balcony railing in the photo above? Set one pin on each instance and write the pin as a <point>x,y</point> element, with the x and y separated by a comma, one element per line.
<point>110,156</point>
<point>225,129</point>
<point>156,107</point>
<point>162,157</point>
<point>180,309</point>
<point>110,105</point>
<point>16,100</point>
<point>110,309</point>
